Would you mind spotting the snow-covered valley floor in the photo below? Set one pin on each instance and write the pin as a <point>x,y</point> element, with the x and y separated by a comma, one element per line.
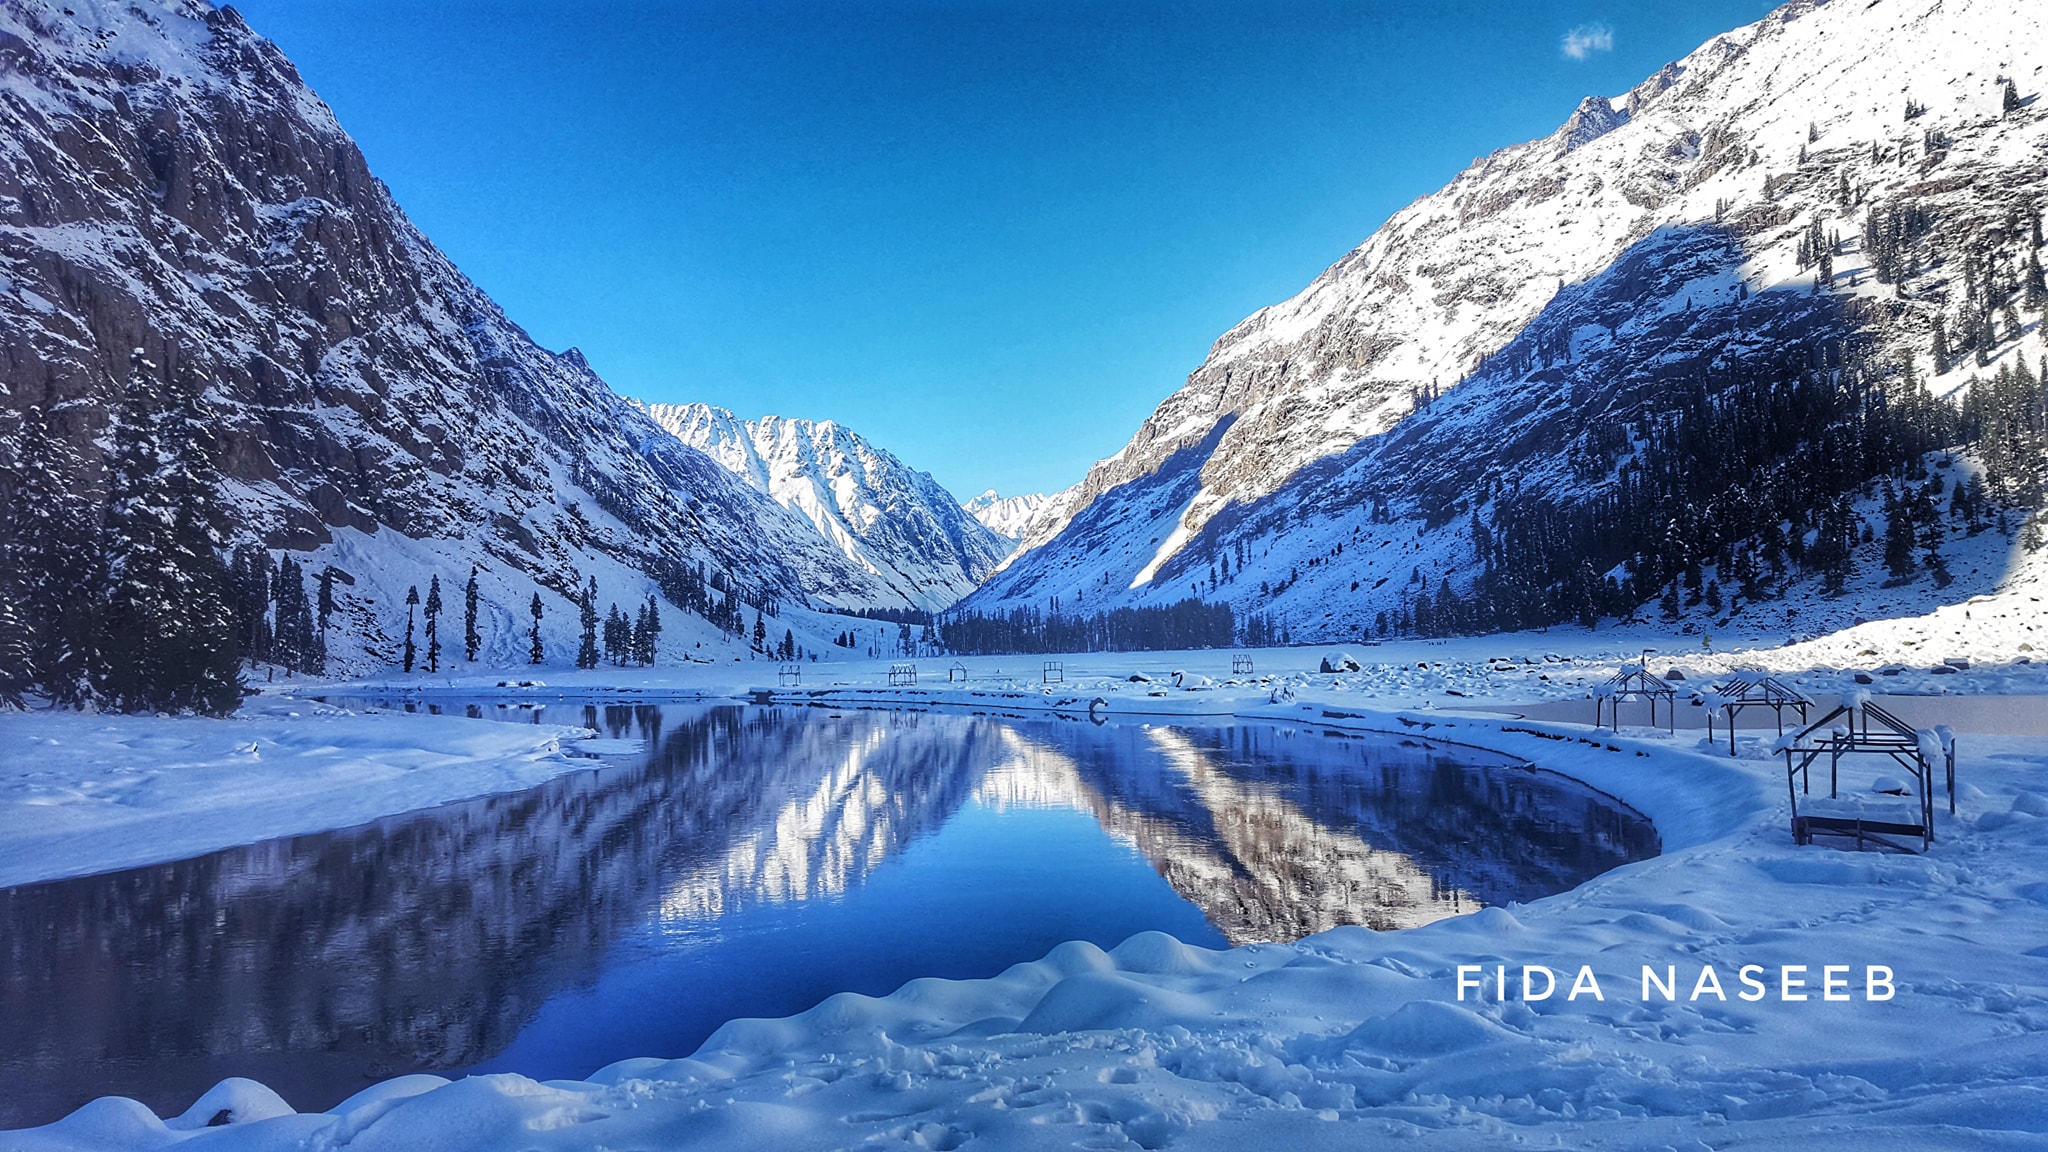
<point>1340,1040</point>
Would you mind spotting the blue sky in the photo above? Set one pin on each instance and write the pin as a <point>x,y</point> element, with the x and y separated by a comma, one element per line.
<point>990,236</point>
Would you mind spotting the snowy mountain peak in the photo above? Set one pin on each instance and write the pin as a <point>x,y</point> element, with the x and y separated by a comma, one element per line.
<point>893,521</point>
<point>1007,516</point>
<point>1596,116</point>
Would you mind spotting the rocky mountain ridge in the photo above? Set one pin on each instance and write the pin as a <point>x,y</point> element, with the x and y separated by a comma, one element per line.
<point>168,183</point>
<point>1520,333</point>
<point>896,523</point>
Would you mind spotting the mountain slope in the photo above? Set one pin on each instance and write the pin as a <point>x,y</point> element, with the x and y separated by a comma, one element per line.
<point>168,183</point>
<point>1516,338</point>
<point>897,524</point>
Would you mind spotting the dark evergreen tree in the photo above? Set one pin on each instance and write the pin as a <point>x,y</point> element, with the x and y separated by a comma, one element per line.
<point>471,641</point>
<point>412,600</point>
<point>533,651</point>
<point>586,650</point>
<point>652,650</point>
<point>167,636</point>
<point>760,633</point>
<point>433,612</point>
<point>2011,97</point>
<point>617,637</point>
<point>249,596</point>
<point>326,599</point>
<point>1898,538</point>
<point>57,558</point>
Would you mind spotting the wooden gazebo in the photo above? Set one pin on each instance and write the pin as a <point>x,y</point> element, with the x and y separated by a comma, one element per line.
<point>1754,689</point>
<point>1859,727</point>
<point>1635,684</point>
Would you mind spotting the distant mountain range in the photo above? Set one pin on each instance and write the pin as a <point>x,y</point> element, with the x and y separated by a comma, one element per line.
<point>896,523</point>
<point>1709,339</point>
<point>1009,516</point>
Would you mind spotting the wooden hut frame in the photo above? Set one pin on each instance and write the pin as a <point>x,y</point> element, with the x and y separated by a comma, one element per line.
<point>1635,684</point>
<point>1241,664</point>
<point>1754,689</point>
<point>789,675</point>
<point>1055,672</point>
<point>902,675</point>
<point>957,673</point>
<point>1869,730</point>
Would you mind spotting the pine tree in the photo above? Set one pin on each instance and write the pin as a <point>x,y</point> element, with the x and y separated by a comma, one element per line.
<point>760,633</point>
<point>166,641</point>
<point>586,651</point>
<point>2011,101</point>
<point>2036,287</point>
<point>1898,538</point>
<point>17,639</point>
<point>533,652</point>
<point>1942,360</point>
<point>470,640</point>
<point>434,623</point>
<point>17,670</point>
<point>58,557</point>
<point>653,649</point>
<point>412,600</point>
<point>326,599</point>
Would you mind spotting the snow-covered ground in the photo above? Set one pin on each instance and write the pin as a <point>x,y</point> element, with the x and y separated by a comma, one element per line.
<point>85,794</point>
<point>1338,1040</point>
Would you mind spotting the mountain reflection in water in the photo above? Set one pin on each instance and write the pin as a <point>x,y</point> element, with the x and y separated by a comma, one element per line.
<point>749,862</point>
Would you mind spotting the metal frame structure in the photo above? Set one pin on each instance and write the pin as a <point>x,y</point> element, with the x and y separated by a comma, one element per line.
<point>1754,689</point>
<point>789,675</point>
<point>1878,733</point>
<point>902,675</point>
<point>1055,672</point>
<point>1241,664</point>
<point>958,672</point>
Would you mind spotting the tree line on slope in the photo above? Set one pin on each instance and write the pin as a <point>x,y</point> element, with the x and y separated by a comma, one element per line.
<point>133,601</point>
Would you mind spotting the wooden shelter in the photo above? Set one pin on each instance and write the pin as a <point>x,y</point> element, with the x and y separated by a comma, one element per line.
<point>1055,672</point>
<point>1635,684</point>
<point>957,673</point>
<point>1859,727</point>
<point>789,675</point>
<point>902,675</point>
<point>1754,689</point>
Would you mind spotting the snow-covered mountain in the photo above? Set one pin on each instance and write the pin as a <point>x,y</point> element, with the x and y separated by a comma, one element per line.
<point>1799,199</point>
<point>896,523</point>
<point>168,183</point>
<point>1008,516</point>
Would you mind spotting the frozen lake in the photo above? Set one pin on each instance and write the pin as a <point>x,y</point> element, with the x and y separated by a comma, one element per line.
<point>746,861</point>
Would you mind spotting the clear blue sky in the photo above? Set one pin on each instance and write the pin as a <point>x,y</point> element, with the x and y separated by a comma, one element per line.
<point>989,235</point>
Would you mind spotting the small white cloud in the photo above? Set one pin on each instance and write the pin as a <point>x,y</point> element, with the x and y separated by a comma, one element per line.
<point>1587,39</point>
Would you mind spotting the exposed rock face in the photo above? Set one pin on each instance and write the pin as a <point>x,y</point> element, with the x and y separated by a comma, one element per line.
<point>897,524</point>
<point>1554,291</point>
<point>168,183</point>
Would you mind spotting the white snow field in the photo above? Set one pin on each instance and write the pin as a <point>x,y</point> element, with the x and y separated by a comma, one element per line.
<point>1341,1040</point>
<point>83,794</point>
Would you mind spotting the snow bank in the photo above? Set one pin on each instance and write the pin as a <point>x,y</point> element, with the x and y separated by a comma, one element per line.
<point>84,794</point>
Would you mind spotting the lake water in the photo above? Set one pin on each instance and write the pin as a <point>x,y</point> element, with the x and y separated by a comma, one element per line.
<point>748,862</point>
